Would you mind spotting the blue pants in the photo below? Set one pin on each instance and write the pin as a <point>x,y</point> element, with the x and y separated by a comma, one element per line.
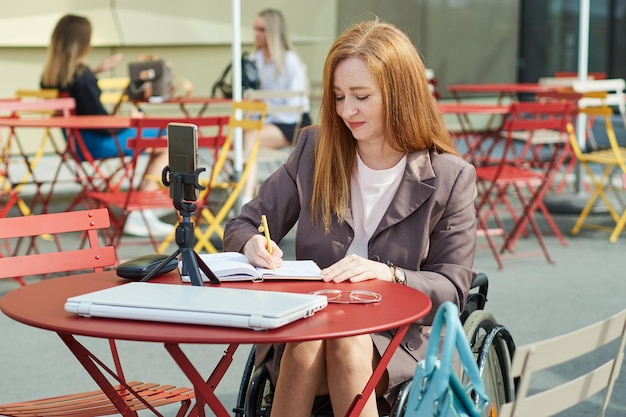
<point>102,144</point>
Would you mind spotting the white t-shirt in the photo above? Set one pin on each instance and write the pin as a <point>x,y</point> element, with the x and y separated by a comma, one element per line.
<point>371,191</point>
<point>292,78</point>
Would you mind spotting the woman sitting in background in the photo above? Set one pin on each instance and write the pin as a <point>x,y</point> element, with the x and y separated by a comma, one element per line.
<point>279,68</point>
<point>67,71</point>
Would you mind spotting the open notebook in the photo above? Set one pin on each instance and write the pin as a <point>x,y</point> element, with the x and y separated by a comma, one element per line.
<point>216,306</point>
<point>234,266</point>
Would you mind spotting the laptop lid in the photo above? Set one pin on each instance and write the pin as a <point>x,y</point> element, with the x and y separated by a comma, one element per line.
<point>216,306</point>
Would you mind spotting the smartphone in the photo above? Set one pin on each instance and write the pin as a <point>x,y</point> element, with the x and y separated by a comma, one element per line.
<point>182,146</point>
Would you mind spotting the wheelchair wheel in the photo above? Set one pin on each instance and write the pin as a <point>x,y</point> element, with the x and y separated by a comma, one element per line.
<point>399,406</point>
<point>260,394</point>
<point>255,391</point>
<point>493,347</point>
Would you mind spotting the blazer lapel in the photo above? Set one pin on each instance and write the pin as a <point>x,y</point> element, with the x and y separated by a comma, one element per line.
<point>414,189</point>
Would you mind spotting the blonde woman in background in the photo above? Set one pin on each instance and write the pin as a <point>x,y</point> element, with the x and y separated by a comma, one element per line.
<point>66,69</point>
<point>280,68</point>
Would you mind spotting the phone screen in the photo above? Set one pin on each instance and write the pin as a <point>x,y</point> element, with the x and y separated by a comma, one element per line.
<point>182,145</point>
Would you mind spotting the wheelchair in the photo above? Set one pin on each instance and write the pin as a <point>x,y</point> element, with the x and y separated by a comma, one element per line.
<point>491,343</point>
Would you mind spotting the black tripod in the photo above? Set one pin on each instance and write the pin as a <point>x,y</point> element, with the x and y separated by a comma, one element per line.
<point>191,262</point>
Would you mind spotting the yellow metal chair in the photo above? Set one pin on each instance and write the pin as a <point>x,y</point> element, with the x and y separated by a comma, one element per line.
<point>612,161</point>
<point>40,93</point>
<point>247,115</point>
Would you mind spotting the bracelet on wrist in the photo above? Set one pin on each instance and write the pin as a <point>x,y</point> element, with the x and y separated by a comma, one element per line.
<point>397,274</point>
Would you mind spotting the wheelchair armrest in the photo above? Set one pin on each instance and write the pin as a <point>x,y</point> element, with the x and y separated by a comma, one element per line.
<point>476,300</point>
<point>481,281</point>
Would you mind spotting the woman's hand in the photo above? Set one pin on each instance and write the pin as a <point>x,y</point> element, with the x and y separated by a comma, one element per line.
<point>135,113</point>
<point>108,63</point>
<point>355,268</point>
<point>258,255</point>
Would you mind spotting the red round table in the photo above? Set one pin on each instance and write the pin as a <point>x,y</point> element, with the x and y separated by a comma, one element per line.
<point>42,305</point>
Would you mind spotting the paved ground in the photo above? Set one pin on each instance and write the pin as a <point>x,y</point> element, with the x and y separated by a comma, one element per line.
<point>533,298</point>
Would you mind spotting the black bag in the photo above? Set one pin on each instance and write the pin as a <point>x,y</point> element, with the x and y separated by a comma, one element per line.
<point>150,78</point>
<point>137,268</point>
<point>249,78</point>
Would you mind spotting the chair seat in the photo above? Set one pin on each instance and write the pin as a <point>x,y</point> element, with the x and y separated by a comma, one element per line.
<point>96,403</point>
<point>603,156</point>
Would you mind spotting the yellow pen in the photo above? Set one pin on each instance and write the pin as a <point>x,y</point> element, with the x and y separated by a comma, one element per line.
<point>266,230</point>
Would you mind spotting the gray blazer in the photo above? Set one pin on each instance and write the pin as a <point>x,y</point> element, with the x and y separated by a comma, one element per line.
<point>429,230</point>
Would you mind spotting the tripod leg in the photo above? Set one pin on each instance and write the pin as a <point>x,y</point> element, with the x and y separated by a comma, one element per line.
<point>190,267</point>
<point>207,271</point>
<point>160,266</point>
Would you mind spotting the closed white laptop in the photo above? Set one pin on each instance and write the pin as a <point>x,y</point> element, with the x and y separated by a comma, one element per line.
<point>216,306</point>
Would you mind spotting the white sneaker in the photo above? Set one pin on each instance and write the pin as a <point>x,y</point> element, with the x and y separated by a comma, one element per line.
<point>136,226</point>
<point>162,212</point>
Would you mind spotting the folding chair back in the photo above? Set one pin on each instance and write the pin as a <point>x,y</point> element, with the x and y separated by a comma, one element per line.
<point>280,101</point>
<point>137,395</point>
<point>567,79</point>
<point>247,115</point>
<point>92,257</point>
<point>539,128</point>
<point>62,105</point>
<point>530,359</point>
<point>113,92</point>
<point>615,94</point>
<point>38,93</point>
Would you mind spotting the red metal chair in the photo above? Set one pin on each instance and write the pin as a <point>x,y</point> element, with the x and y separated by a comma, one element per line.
<point>7,201</point>
<point>97,174</point>
<point>514,183</point>
<point>15,150</point>
<point>121,202</point>
<point>137,395</point>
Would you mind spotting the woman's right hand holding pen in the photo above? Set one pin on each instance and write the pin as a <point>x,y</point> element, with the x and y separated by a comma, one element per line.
<point>258,254</point>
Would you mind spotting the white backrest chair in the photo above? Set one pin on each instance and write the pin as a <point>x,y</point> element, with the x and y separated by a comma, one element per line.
<point>279,101</point>
<point>567,348</point>
<point>613,87</point>
<point>557,81</point>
